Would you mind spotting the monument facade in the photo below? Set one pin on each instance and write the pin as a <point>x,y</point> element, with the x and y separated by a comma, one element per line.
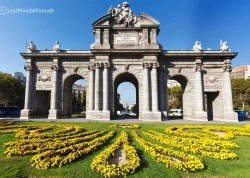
<point>126,50</point>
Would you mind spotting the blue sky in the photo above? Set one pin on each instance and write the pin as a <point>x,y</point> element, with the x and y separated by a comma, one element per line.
<point>182,23</point>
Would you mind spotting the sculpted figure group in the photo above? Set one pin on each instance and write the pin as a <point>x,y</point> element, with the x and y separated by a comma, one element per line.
<point>123,15</point>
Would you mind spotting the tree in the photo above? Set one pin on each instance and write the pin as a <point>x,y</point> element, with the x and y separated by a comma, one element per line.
<point>119,106</point>
<point>11,91</point>
<point>134,109</point>
<point>241,93</point>
<point>175,97</point>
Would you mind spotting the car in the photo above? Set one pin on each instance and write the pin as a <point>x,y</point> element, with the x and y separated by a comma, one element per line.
<point>175,112</point>
<point>241,113</point>
<point>10,111</point>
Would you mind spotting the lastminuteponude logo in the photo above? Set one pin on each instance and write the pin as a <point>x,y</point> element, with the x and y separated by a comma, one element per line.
<point>2,10</point>
<point>20,10</point>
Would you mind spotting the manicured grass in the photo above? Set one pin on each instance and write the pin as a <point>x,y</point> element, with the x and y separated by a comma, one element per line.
<point>19,166</point>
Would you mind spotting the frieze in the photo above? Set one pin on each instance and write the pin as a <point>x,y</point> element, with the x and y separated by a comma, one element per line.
<point>44,78</point>
<point>212,80</point>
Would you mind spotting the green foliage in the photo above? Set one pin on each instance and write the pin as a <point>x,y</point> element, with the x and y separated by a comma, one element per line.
<point>119,106</point>
<point>134,108</point>
<point>175,97</point>
<point>11,91</point>
<point>241,93</point>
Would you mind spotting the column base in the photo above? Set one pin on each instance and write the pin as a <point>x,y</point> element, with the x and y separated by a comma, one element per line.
<point>27,114</point>
<point>151,116</point>
<point>200,116</point>
<point>98,115</point>
<point>164,115</point>
<point>229,116</point>
<point>54,114</point>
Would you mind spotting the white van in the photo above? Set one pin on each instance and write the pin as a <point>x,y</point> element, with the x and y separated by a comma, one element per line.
<point>175,112</point>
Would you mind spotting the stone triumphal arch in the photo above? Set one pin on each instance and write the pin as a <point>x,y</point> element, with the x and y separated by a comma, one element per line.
<point>126,49</point>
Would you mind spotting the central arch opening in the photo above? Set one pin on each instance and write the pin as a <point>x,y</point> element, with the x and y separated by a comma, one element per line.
<point>126,98</point>
<point>176,96</point>
<point>74,96</point>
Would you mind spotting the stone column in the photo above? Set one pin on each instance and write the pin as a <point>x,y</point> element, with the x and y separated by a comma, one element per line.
<point>106,38</point>
<point>163,91</point>
<point>28,98</point>
<point>91,88</point>
<point>154,83</point>
<point>229,114</point>
<point>200,114</point>
<point>27,112</point>
<point>98,36</point>
<point>105,87</point>
<point>53,112</point>
<point>146,82</point>
<point>153,35</point>
<point>97,86</point>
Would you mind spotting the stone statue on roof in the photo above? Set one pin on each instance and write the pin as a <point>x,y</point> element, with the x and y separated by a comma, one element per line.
<point>123,15</point>
<point>31,47</point>
<point>224,47</point>
<point>56,46</point>
<point>197,46</point>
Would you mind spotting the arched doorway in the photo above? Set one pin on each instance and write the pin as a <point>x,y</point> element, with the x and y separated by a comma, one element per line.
<point>74,96</point>
<point>125,77</point>
<point>177,97</point>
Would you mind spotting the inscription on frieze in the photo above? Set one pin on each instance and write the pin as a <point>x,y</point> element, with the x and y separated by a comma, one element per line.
<point>126,39</point>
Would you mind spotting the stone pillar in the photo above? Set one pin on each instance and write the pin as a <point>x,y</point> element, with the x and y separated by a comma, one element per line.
<point>154,83</point>
<point>105,87</point>
<point>27,112</point>
<point>146,82</point>
<point>200,114</point>
<point>153,35</point>
<point>163,92</point>
<point>145,37</point>
<point>97,86</point>
<point>54,112</point>
<point>229,114</point>
<point>106,38</point>
<point>98,36</point>
<point>91,88</point>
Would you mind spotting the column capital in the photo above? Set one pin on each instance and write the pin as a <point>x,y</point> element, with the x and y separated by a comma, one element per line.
<point>198,64</point>
<point>98,65</point>
<point>155,65</point>
<point>55,67</point>
<point>227,65</point>
<point>146,65</point>
<point>106,65</point>
<point>28,68</point>
<point>91,67</point>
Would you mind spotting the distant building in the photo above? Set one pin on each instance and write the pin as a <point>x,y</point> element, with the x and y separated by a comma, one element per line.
<point>173,83</point>
<point>20,76</point>
<point>76,88</point>
<point>241,72</point>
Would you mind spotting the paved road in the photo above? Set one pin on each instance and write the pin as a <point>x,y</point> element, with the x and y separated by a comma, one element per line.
<point>129,120</point>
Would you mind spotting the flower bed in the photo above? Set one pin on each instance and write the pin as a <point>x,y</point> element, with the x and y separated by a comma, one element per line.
<point>59,157</point>
<point>172,158</point>
<point>203,146</point>
<point>102,165</point>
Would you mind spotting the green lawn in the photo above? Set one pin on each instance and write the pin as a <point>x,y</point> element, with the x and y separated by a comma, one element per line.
<point>19,166</point>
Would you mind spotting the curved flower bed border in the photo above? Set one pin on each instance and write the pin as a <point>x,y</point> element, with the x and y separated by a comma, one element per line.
<point>172,158</point>
<point>209,131</point>
<point>38,145</point>
<point>125,126</point>
<point>101,164</point>
<point>204,146</point>
<point>59,157</point>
